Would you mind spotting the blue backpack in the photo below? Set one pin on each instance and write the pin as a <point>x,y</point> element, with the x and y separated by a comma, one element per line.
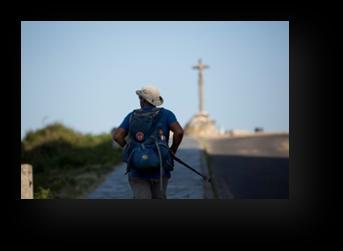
<point>147,148</point>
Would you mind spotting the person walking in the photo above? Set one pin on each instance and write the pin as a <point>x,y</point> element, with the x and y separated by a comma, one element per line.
<point>144,135</point>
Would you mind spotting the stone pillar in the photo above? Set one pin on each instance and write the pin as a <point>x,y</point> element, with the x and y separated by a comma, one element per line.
<point>201,93</point>
<point>201,67</point>
<point>26,182</point>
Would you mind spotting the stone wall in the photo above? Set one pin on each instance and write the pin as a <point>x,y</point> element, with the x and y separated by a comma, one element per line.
<point>201,125</point>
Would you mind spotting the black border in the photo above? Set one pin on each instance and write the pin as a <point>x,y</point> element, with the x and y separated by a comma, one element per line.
<point>307,218</point>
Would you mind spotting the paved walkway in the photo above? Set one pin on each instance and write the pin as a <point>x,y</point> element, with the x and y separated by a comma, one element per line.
<point>184,184</point>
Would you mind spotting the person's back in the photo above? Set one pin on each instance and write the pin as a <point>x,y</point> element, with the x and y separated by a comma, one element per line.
<point>149,127</point>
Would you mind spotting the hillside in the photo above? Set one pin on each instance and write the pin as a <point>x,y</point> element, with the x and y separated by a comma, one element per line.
<point>67,163</point>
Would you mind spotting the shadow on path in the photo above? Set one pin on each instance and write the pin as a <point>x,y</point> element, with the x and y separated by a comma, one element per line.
<point>250,177</point>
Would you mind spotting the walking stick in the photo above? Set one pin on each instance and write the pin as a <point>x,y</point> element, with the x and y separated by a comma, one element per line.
<point>191,168</point>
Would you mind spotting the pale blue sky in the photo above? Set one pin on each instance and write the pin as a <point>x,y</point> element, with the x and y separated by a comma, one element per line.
<point>84,74</point>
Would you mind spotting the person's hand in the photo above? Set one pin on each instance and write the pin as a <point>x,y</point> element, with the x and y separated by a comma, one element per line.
<point>172,151</point>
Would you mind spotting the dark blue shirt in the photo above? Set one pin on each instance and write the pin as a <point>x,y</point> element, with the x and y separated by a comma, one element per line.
<point>167,118</point>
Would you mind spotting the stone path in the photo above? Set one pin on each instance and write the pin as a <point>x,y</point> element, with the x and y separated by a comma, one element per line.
<point>184,184</point>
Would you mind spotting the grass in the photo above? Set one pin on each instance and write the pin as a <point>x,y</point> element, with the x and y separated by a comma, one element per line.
<point>66,163</point>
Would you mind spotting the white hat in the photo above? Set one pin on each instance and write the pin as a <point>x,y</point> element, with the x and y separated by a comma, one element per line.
<point>151,94</point>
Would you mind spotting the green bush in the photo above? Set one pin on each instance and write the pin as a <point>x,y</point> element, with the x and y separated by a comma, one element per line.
<point>60,156</point>
<point>43,193</point>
